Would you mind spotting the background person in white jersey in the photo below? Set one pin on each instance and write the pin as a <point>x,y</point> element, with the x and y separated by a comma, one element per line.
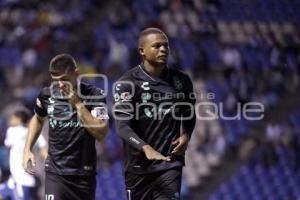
<point>15,140</point>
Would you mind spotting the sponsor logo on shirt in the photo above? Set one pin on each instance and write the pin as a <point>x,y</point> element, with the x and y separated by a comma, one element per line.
<point>118,87</point>
<point>51,100</point>
<point>145,97</point>
<point>52,122</point>
<point>148,113</point>
<point>63,124</point>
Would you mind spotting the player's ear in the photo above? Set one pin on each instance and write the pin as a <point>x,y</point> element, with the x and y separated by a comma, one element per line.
<point>77,71</point>
<point>141,51</point>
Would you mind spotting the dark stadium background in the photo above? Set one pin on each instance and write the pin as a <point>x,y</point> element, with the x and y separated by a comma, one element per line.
<point>238,51</point>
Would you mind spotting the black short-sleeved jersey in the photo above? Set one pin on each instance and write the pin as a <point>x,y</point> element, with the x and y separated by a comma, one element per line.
<point>71,148</point>
<point>149,110</point>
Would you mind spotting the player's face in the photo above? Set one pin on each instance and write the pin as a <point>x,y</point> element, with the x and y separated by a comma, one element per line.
<point>14,121</point>
<point>155,49</point>
<point>70,77</point>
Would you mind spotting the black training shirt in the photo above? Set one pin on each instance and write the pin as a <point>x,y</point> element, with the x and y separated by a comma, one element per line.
<point>71,148</point>
<point>144,109</point>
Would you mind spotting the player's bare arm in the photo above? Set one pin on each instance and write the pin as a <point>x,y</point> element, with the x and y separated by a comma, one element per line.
<point>180,144</point>
<point>34,131</point>
<point>96,127</point>
<point>152,154</point>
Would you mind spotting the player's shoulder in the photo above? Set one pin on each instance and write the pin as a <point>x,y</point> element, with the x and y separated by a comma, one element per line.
<point>9,130</point>
<point>45,91</point>
<point>179,74</point>
<point>89,89</point>
<point>130,74</point>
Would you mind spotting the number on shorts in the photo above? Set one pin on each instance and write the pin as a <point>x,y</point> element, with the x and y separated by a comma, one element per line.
<point>49,197</point>
<point>129,194</point>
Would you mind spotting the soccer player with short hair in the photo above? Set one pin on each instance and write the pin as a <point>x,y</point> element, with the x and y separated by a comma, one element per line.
<point>154,113</point>
<point>76,119</point>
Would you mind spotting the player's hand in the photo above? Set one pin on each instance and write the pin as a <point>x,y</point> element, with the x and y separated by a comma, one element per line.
<point>70,92</point>
<point>180,144</point>
<point>28,162</point>
<point>152,154</point>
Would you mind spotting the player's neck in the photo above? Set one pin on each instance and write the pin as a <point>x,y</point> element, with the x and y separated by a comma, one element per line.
<point>156,71</point>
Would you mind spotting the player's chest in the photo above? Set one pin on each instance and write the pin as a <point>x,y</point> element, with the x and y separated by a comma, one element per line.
<point>158,93</point>
<point>156,101</point>
<point>59,109</point>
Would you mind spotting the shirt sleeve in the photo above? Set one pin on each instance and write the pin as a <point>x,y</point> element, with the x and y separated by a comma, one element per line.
<point>8,138</point>
<point>188,123</point>
<point>41,142</point>
<point>39,107</point>
<point>123,112</point>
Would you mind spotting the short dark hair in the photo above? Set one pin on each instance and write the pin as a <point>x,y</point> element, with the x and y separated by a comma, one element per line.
<point>22,115</point>
<point>148,31</point>
<point>61,63</point>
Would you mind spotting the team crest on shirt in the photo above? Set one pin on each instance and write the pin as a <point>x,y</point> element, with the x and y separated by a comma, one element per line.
<point>117,97</point>
<point>177,83</point>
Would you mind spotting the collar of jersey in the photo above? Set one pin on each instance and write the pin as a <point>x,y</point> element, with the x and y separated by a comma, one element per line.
<point>153,79</point>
